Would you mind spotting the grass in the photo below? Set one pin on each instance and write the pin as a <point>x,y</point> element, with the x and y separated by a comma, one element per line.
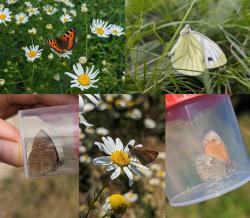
<point>152,28</point>
<point>51,197</point>
<point>107,54</point>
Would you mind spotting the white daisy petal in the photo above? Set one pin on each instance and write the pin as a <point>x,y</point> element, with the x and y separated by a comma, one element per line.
<point>116,173</point>
<point>119,144</point>
<point>111,167</point>
<point>104,160</point>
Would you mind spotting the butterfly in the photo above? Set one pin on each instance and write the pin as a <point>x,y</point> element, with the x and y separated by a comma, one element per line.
<point>193,53</point>
<point>43,157</point>
<point>63,43</point>
<point>214,164</point>
<point>144,155</point>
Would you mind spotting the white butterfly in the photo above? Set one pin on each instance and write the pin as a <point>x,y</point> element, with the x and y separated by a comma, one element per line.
<point>193,53</point>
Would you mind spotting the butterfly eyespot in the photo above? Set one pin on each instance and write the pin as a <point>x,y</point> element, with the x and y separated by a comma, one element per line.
<point>210,59</point>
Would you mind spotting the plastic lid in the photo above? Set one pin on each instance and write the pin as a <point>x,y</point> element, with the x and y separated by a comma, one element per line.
<point>172,100</point>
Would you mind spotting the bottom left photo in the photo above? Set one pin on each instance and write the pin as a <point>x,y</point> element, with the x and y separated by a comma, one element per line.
<point>39,139</point>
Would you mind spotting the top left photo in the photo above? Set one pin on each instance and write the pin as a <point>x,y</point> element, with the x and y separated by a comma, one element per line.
<point>62,46</point>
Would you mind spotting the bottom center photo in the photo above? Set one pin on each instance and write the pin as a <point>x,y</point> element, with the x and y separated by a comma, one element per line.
<point>122,156</point>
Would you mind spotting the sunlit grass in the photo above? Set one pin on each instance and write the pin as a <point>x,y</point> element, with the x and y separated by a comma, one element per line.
<point>152,28</point>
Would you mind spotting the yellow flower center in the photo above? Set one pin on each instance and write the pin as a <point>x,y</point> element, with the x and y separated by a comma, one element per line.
<point>21,18</point>
<point>32,54</point>
<point>99,30</point>
<point>3,16</point>
<point>120,158</point>
<point>65,20</point>
<point>84,79</point>
<point>118,203</point>
<point>115,32</point>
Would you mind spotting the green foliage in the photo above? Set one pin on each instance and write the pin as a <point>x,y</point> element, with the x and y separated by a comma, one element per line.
<point>22,76</point>
<point>152,28</point>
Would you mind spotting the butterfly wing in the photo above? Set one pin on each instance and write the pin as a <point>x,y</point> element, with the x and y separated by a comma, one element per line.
<point>65,42</point>
<point>215,147</point>
<point>145,156</point>
<point>43,157</point>
<point>187,56</point>
<point>54,45</point>
<point>214,55</point>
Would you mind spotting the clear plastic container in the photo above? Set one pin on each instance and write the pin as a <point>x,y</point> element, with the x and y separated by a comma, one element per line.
<point>50,140</point>
<point>205,154</point>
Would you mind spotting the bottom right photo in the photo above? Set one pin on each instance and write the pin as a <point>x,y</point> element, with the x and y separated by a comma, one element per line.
<point>207,155</point>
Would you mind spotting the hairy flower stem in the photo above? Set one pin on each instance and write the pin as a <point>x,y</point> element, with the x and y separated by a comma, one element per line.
<point>95,199</point>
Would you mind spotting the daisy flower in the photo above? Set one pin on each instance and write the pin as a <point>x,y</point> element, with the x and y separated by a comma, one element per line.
<point>32,31</point>
<point>119,158</point>
<point>33,52</point>
<point>5,15</point>
<point>84,121</point>
<point>94,98</point>
<point>65,54</point>
<point>84,8</point>
<point>131,196</point>
<point>84,78</point>
<point>99,27</point>
<point>116,204</point>
<point>66,2</point>
<point>21,18</point>
<point>32,11</point>
<point>116,30</point>
<point>49,9</point>
<point>11,2</point>
<point>65,18</point>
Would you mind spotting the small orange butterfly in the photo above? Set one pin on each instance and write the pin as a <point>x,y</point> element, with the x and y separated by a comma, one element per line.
<point>63,43</point>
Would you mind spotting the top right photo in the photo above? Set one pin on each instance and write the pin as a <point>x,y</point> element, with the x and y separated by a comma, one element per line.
<point>188,46</point>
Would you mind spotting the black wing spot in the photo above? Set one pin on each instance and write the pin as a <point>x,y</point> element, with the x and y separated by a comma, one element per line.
<point>210,59</point>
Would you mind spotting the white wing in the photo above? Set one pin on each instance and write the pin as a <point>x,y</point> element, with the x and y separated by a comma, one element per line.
<point>187,56</point>
<point>214,56</point>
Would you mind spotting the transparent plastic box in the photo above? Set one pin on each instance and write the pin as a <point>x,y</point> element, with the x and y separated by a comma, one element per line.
<point>205,154</point>
<point>50,140</point>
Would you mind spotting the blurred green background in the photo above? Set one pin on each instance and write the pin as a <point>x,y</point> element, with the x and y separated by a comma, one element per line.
<point>235,204</point>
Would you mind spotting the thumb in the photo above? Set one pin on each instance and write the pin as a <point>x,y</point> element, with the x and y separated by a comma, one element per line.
<point>11,153</point>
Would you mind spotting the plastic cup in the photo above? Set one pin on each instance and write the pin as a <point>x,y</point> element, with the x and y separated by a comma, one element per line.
<point>50,140</point>
<point>205,154</point>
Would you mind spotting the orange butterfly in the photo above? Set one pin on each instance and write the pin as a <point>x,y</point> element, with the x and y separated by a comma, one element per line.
<point>63,43</point>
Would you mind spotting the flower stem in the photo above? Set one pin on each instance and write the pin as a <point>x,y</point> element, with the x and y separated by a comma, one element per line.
<point>96,199</point>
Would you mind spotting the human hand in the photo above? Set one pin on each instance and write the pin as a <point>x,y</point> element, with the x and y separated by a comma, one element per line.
<point>10,148</point>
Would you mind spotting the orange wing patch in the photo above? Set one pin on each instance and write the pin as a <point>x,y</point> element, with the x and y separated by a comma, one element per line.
<point>63,43</point>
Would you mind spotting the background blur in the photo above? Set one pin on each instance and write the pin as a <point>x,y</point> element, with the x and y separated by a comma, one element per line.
<point>138,117</point>
<point>51,197</point>
<point>235,203</point>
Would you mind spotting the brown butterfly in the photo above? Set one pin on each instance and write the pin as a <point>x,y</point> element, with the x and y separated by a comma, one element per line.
<point>214,146</point>
<point>144,155</point>
<point>63,43</point>
<point>43,157</point>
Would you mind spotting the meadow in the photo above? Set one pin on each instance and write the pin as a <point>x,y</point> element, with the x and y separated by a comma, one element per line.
<point>127,117</point>
<point>153,27</point>
<point>28,69</point>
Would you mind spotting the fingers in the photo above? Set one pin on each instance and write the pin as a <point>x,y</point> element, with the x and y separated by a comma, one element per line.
<point>11,153</point>
<point>13,102</point>
<point>43,99</point>
<point>8,132</point>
